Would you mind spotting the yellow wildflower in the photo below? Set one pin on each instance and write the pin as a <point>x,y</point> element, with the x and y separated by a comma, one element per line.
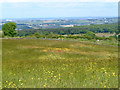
<point>113,74</point>
<point>21,83</point>
<point>104,86</point>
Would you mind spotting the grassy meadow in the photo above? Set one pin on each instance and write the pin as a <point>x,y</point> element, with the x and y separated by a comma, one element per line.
<point>36,63</point>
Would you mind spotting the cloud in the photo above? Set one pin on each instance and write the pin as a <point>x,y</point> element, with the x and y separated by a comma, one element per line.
<point>4,1</point>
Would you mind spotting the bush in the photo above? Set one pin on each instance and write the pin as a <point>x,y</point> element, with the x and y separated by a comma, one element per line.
<point>37,35</point>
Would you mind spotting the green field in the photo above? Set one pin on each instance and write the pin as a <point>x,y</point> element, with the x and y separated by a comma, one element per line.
<point>58,64</point>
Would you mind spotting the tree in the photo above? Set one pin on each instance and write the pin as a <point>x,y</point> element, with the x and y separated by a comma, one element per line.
<point>61,32</point>
<point>9,29</point>
<point>91,34</point>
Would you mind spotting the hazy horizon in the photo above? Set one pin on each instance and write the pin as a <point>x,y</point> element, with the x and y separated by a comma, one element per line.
<point>56,18</point>
<point>58,9</point>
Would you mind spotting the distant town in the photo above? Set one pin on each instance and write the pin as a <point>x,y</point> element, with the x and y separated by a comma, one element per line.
<point>57,22</point>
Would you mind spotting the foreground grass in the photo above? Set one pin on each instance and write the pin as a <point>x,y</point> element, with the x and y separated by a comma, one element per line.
<point>58,64</point>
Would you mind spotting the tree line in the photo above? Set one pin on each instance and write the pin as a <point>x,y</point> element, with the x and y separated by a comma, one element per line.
<point>105,28</point>
<point>87,31</point>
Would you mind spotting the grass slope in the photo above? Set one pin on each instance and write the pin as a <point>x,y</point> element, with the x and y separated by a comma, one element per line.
<point>58,64</point>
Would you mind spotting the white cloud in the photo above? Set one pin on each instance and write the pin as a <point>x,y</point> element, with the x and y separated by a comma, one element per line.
<point>59,0</point>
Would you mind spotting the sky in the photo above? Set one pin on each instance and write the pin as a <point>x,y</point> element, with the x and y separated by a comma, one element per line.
<point>58,8</point>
